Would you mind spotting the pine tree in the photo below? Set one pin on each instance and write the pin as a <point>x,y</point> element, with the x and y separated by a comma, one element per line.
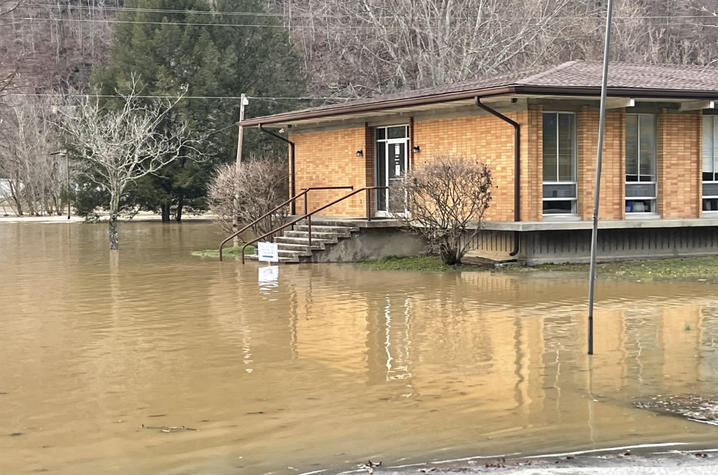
<point>194,45</point>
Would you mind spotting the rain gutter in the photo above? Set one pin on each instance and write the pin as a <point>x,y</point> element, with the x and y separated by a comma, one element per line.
<point>291,161</point>
<point>517,168</point>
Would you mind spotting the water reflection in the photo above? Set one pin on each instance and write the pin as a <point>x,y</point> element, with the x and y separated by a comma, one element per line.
<point>324,366</point>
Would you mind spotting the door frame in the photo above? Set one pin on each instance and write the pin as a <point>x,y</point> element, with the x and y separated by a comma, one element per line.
<point>406,141</point>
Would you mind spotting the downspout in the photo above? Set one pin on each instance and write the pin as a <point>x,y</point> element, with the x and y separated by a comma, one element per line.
<point>291,162</point>
<point>517,168</point>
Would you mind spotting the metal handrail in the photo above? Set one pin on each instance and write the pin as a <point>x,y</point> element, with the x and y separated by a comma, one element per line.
<point>308,216</point>
<point>304,193</point>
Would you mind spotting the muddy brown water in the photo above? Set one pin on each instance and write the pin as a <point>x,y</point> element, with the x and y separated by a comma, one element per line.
<point>328,366</point>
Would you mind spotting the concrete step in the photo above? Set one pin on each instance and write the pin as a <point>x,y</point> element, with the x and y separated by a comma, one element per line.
<point>317,234</point>
<point>294,253</point>
<point>325,228</point>
<point>304,241</point>
<point>301,247</point>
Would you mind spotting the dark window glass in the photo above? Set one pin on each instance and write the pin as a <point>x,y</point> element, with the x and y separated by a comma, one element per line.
<point>381,175</point>
<point>631,147</point>
<point>640,206</point>
<point>710,204</point>
<point>397,132</point>
<point>549,147</point>
<point>647,147</point>
<point>380,133</point>
<point>566,135</point>
<point>558,207</point>
<point>709,146</point>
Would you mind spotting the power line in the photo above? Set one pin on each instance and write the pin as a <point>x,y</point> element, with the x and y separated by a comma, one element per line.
<point>256,98</point>
<point>339,26</point>
<point>315,16</point>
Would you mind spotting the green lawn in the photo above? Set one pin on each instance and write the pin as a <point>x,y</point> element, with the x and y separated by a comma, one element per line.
<point>679,268</point>
<point>686,268</point>
<point>226,252</point>
<point>414,264</point>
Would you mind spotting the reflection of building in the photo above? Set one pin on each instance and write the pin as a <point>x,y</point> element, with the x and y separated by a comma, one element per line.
<point>501,353</point>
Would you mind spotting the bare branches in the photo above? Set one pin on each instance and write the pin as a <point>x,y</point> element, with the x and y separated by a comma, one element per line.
<point>9,6</point>
<point>29,161</point>
<point>447,200</point>
<point>260,185</point>
<point>117,146</point>
<point>372,46</point>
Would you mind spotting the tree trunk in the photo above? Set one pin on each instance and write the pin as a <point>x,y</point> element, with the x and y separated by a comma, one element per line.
<point>178,213</point>
<point>165,212</point>
<point>114,236</point>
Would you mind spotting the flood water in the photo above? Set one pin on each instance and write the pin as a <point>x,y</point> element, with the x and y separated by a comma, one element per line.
<point>327,367</point>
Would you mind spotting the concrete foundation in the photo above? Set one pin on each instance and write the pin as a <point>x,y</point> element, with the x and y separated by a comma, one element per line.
<point>574,246</point>
<point>373,243</point>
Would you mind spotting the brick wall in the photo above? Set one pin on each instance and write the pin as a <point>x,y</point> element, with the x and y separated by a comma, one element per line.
<point>487,139</point>
<point>328,158</point>
<point>612,175</point>
<point>679,163</point>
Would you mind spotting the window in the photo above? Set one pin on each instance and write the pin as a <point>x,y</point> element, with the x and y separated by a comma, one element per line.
<point>640,163</point>
<point>559,163</point>
<point>710,156</point>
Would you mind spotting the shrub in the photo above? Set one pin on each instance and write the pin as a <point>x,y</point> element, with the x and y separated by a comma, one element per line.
<point>249,191</point>
<point>446,200</point>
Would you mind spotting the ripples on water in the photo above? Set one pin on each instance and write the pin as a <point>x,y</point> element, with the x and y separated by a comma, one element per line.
<point>328,366</point>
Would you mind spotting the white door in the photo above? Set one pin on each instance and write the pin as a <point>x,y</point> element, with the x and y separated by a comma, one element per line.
<point>392,163</point>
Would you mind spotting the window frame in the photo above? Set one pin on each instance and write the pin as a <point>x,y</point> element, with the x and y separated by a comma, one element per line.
<point>574,167</point>
<point>638,181</point>
<point>714,172</point>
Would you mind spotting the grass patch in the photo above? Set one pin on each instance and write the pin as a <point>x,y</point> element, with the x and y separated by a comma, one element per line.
<point>227,252</point>
<point>683,268</point>
<point>413,264</point>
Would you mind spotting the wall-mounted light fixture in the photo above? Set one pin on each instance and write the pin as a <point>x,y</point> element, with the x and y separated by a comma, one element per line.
<point>360,153</point>
<point>416,149</point>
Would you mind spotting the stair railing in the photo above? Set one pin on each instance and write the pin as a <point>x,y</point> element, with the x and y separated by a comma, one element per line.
<point>304,192</point>
<point>308,216</point>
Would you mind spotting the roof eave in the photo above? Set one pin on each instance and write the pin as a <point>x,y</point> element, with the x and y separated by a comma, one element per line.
<point>286,117</point>
<point>375,106</point>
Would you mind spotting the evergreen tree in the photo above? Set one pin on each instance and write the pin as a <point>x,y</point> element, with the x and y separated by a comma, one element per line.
<point>215,53</point>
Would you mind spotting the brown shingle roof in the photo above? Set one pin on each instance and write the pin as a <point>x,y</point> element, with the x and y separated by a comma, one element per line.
<point>571,78</point>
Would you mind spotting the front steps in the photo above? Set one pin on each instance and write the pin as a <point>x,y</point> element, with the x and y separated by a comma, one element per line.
<point>293,244</point>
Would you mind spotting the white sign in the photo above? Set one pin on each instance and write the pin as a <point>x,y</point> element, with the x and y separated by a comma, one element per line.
<point>268,252</point>
<point>269,276</point>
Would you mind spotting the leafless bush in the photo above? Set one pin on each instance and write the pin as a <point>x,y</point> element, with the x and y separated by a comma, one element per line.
<point>29,158</point>
<point>249,191</point>
<point>446,200</point>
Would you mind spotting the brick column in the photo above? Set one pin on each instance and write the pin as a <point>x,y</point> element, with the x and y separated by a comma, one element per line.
<point>612,174</point>
<point>678,164</point>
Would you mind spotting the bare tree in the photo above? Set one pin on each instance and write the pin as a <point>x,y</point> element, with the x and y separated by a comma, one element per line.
<point>375,46</point>
<point>115,147</point>
<point>260,185</point>
<point>29,158</point>
<point>446,200</point>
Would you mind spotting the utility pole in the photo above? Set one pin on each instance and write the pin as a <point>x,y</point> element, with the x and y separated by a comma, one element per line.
<point>242,103</point>
<point>597,190</point>
<point>67,173</point>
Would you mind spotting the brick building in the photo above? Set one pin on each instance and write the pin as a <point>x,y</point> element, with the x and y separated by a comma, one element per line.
<point>659,191</point>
